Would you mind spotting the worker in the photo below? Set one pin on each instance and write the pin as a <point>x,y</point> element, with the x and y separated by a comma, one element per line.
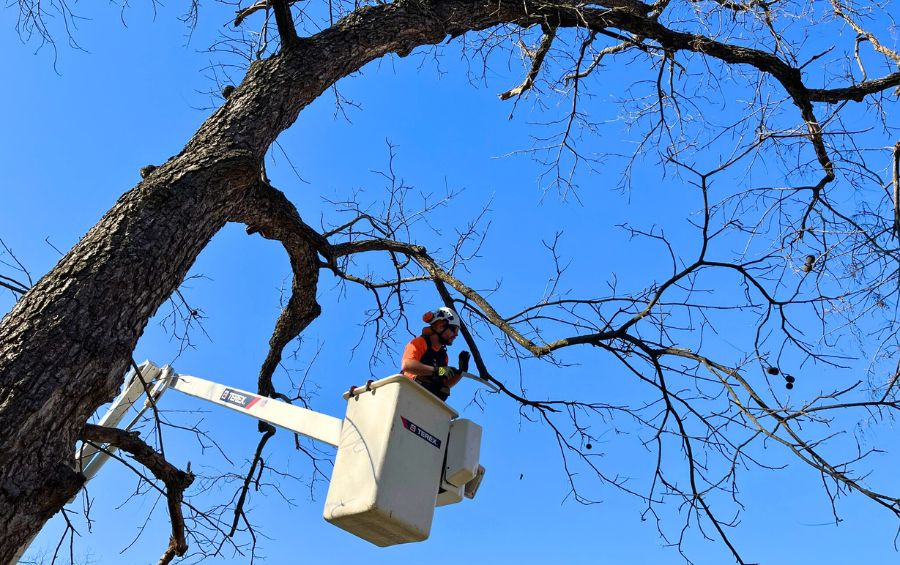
<point>425,358</point>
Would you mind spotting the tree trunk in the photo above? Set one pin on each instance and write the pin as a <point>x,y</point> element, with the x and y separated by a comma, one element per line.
<point>65,346</point>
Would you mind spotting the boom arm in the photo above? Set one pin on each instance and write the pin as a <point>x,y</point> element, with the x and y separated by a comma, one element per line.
<point>157,379</point>
<point>294,418</point>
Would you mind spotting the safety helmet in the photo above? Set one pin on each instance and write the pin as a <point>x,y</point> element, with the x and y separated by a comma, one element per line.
<point>442,313</point>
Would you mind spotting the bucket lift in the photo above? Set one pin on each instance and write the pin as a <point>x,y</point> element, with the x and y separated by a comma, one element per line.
<point>400,450</point>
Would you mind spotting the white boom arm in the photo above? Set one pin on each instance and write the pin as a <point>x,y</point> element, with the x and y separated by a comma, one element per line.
<point>157,379</point>
<point>294,418</point>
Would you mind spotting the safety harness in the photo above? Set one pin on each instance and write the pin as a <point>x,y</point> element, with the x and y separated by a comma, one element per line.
<point>435,359</point>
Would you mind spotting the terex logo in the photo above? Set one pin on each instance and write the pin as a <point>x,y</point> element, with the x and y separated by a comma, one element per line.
<point>420,432</point>
<point>244,400</point>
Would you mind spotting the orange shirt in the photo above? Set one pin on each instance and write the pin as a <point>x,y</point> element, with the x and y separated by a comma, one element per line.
<point>417,349</point>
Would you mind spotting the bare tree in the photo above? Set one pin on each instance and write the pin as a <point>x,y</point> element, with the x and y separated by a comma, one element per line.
<point>801,261</point>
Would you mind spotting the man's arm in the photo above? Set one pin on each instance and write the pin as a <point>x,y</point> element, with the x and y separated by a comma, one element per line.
<point>419,369</point>
<point>415,367</point>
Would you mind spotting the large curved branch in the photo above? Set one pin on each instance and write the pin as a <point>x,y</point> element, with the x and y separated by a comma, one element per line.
<point>267,211</point>
<point>277,89</point>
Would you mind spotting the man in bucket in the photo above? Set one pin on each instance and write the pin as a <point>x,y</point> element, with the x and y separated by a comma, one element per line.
<point>425,358</point>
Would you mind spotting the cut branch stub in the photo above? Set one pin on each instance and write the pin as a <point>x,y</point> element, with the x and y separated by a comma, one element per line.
<point>537,59</point>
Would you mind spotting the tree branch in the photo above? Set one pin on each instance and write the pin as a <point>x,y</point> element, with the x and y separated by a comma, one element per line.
<point>268,212</point>
<point>176,480</point>
<point>285,22</point>
<point>895,178</point>
<point>268,431</point>
<point>537,59</point>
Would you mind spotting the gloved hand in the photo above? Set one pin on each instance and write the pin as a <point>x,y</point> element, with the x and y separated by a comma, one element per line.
<point>464,361</point>
<point>444,374</point>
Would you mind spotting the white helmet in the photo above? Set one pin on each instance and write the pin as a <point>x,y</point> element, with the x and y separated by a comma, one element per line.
<point>443,313</point>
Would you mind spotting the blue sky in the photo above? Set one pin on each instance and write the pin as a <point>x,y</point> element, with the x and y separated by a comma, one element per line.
<point>75,136</point>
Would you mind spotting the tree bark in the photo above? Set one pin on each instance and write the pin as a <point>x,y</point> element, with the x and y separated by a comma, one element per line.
<point>65,346</point>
